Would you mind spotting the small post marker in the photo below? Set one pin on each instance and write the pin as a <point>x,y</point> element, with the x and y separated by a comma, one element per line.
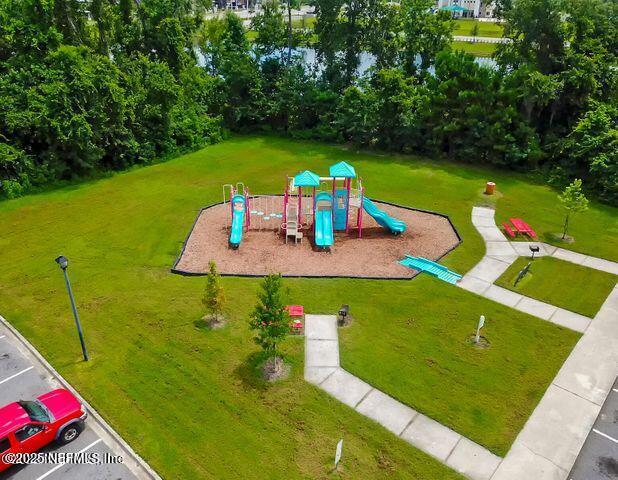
<point>338,452</point>
<point>477,338</point>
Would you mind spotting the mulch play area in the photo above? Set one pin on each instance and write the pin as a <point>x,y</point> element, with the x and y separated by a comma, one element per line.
<point>263,249</point>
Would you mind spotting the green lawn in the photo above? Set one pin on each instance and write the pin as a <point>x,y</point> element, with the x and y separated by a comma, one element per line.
<point>464,27</point>
<point>477,49</point>
<point>187,399</point>
<point>576,288</point>
<point>413,343</point>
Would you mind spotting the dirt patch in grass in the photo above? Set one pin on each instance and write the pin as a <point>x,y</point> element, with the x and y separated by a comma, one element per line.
<point>263,251</point>
<point>275,369</point>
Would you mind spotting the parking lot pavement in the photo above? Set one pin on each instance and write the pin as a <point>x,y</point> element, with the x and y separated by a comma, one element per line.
<point>598,458</point>
<point>23,376</point>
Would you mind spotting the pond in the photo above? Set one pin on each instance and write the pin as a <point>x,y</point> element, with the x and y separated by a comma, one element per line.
<point>367,60</point>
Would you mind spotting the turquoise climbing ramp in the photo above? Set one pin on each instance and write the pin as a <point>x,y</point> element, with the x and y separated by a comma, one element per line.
<point>423,265</point>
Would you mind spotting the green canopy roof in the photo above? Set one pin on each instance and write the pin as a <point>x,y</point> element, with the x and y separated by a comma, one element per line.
<point>342,169</point>
<point>307,179</point>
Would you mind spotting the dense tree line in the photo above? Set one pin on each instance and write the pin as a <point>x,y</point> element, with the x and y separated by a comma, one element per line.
<point>104,84</point>
<point>97,85</point>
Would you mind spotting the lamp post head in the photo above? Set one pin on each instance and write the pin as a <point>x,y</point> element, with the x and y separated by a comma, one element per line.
<point>63,262</point>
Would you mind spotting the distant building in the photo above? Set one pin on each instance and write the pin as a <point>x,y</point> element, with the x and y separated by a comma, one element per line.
<point>471,8</point>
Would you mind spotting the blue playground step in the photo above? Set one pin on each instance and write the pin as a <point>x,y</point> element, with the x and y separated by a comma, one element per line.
<point>423,265</point>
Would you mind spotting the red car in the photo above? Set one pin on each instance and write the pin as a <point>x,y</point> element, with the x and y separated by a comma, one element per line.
<point>27,426</point>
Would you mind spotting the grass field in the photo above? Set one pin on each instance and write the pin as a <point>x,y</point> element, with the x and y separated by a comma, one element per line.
<point>419,352</point>
<point>188,399</point>
<point>477,49</point>
<point>573,287</point>
<point>465,27</point>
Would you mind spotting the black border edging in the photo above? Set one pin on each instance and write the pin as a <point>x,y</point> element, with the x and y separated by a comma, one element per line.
<point>251,275</point>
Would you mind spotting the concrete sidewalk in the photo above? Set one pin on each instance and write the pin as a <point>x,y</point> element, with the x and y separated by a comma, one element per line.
<point>323,370</point>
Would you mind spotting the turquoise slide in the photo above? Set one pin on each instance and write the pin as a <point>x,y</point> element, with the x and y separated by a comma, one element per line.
<point>324,236</point>
<point>324,228</point>
<point>380,216</point>
<point>423,265</point>
<point>238,220</point>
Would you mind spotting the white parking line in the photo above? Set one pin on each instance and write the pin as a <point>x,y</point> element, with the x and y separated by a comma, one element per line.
<point>17,374</point>
<point>60,465</point>
<point>605,435</point>
<point>2,336</point>
<point>614,389</point>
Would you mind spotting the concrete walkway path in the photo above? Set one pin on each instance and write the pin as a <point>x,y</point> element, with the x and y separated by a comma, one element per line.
<point>500,254</point>
<point>322,368</point>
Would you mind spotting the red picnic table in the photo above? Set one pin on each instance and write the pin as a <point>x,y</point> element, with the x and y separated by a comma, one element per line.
<point>297,313</point>
<point>522,227</point>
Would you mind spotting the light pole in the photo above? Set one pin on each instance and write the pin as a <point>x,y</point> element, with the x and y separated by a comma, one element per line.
<point>64,263</point>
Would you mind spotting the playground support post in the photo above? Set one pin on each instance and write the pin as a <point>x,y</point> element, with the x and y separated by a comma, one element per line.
<point>359,220</point>
<point>247,209</point>
<point>347,213</point>
<point>300,205</point>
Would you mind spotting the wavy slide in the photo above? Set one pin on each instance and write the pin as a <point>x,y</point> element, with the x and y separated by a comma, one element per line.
<point>383,219</point>
<point>238,220</point>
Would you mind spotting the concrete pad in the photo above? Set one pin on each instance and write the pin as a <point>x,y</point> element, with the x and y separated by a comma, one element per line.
<point>503,296</point>
<point>317,375</point>
<point>601,264</point>
<point>483,212</point>
<point>488,269</point>
<point>571,320</point>
<point>520,459</point>
<point>591,367</point>
<point>472,460</point>
<point>492,234</point>
<point>431,437</point>
<point>473,284</point>
<point>346,388</point>
<point>388,412</point>
<point>569,256</point>
<point>534,307</point>
<point>483,221</point>
<point>321,353</point>
<point>499,249</point>
<point>322,327</point>
<point>523,249</point>
<point>558,427</point>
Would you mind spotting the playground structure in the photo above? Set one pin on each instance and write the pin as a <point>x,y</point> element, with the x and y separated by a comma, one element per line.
<point>320,205</point>
<point>289,232</point>
<point>328,204</point>
<point>263,249</point>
